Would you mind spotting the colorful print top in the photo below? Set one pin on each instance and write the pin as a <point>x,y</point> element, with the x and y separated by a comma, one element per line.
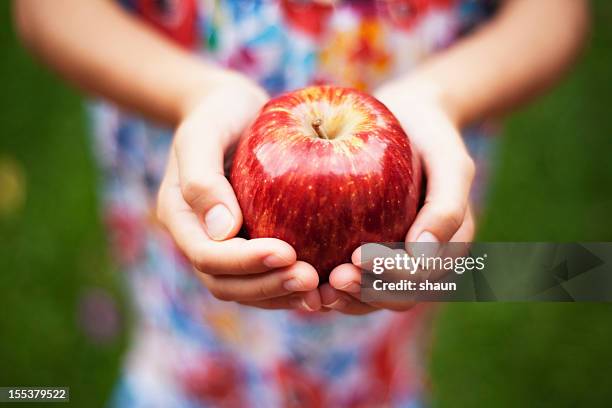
<point>191,350</point>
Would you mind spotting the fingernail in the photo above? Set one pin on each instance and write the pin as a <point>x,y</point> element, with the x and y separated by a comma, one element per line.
<point>275,261</point>
<point>219,222</point>
<point>338,304</point>
<point>293,285</point>
<point>302,305</point>
<point>431,244</point>
<point>351,287</point>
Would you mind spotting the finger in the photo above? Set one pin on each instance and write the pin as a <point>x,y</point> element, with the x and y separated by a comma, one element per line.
<point>238,256</point>
<point>299,277</point>
<point>305,302</point>
<point>365,254</point>
<point>343,303</point>
<point>346,278</point>
<point>235,256</point>
<point>449,178</point>
<point>459,244</point>
<point>199,155</point>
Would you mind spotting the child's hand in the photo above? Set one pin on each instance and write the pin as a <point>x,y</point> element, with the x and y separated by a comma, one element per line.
<point>197,205</point>
<point>449,170</point>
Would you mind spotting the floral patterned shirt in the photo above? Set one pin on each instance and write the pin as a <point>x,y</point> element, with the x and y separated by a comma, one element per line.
<point>192,350</point>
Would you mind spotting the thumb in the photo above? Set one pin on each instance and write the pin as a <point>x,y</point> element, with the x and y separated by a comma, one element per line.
<point>448,187</point>
<point>199,150</point>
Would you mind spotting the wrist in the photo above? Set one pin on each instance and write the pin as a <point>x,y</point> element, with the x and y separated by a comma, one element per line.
<point>418,89</point>
<point>211,80</point>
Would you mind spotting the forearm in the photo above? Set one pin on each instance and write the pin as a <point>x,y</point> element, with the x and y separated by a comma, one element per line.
<point>522,52</point>
<point>103,50</point>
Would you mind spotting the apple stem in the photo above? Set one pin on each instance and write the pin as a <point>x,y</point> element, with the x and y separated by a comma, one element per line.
<point>316,125</point>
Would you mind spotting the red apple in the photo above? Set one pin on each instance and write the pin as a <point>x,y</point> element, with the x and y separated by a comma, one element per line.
<point>326,169</point>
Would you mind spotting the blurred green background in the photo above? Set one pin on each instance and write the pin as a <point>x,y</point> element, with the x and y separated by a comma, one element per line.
<point>553,182</point>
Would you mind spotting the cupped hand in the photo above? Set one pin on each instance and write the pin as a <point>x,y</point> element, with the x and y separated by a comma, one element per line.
<point>449,171</point>
<point>197,205</point>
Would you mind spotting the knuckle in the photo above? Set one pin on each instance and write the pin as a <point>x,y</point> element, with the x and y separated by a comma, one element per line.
<point>453,217</point>
<point>264,292</point>
<point>219,292</point>
<point>200,265</point>
<point>241,266</point>
<point>200,261</point>
<point>195,190</point>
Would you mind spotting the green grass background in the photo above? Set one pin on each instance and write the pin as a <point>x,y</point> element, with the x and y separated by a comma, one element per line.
<point>553,182</point>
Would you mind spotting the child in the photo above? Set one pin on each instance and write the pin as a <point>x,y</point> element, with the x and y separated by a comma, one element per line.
<point>205,68</point>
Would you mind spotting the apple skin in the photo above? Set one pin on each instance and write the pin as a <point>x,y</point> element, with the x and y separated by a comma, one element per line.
<point>326,196</point>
